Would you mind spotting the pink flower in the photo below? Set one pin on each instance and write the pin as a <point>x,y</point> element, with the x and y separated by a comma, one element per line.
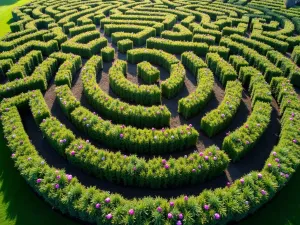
<point>13,155</point>
<point>259,175</point>
<point>121,135</point>
<point>215,158</point>
<point>58,177</point>
<point>180,216</point>
<point>193,170</point>
<point>228,184</point>
<point>277,160</point>
<point>56,186</point>
<point>206,158</point>
<point>263,192</point>
<point>108,216</point>
<point>269,164</point>
<point>159,209</point>
<point>107,200</point>
<point>217,216</point>
<point>69,177</point>
<point>163,161</point>
<point>167,166</point>
<point>242,181</point>
<point>131,212</point>
<point>274,153</point>
<point>190,125</point>
<point>295,141</point>
<point>97,206</point>
<point>201,154</point>
<point>179,222</point>
<point>170,215</point>
<point>39,180</point>
<point>222,115</point>
<point>247,126</point>
<point>73,153</point>
<point>206,207</point>
<point>186,198</point>
<point>172,204</point>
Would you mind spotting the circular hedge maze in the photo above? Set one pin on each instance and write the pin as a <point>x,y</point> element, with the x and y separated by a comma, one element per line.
<point>153,112</point>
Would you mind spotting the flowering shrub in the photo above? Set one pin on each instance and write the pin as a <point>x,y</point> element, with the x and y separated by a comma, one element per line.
<point>125,89</point>
<point>218,119</point>
<point>238,143</point>
<point>177,47</point>
<point>66,99</point>
<point>125,45</point>
<point>148,73</point>
<point>195,102</point>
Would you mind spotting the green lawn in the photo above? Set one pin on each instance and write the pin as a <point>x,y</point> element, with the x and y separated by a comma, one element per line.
<point>19,205</point>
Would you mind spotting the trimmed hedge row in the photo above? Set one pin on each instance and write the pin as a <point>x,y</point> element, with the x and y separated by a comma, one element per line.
<point>275,43</point>
<point>38,80</point>
<point>197,100</point>
<point>171,86</point>
<point>116,110</point>
<point>192,62</point>
<point>221,68</point>
<point>204,38</point>
<point>5,65</point>
<point>221,50</point>
<point>25,65</point>
<point>177,47</point>
<point>70,64</point>
<point>138,34</point>
<point>238,62</point>
<point>82,29</point>
<point>125,89</point>
<point>132,170</point>
<point>218,119</point>
<point>200,30</point>
<point>179,33</point>
<point>86,44</point>
<point>159,27</point>
<point>125,45</point>
<point>132,139</point>
<point>296,55</point>
<point>285,94</point>
<point>243,139</point>
<point>148,73</point>
<point>268,69</point>
<point>108,54</point>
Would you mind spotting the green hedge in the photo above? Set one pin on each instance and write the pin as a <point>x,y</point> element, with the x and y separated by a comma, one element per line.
<point>82,29</point>
<point>192,62</point>
<point>86,44</point>
<point>148,73</point>
<point>276,44</point>
<point>108,54</point>
<point>200,30</point>
<point>243,139</point>
<point>179,33</point>
<point>116,110</point>
<point>70,64</point>
<point>25,66</point>
<point>197,100</point>
<point>177,47</point>
<point>238,62</point>
<point>218,119</point>
<point>132,139</point>
<point>5,65</point>
<point>125,45</point>
<point>204,38</point>
<point>296,55</point>
<point>221,68</point>
<point>125,89</point>
<point>221,50</point>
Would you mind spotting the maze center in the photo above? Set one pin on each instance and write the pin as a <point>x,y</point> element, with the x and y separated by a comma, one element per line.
<point>153,112</point>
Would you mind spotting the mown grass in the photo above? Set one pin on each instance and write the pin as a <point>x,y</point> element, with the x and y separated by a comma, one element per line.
<point>19,205</point>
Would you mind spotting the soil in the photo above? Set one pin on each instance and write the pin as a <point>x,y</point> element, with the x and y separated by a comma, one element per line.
<point>254,160</point>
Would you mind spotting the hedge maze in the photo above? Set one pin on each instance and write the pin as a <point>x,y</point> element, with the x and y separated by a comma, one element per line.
<point>193,106</point>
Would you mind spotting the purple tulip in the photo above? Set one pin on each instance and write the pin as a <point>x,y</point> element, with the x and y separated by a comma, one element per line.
<point>107,200</point>
<point>159,209</point>
<point>97,206</point>
<point>180,216</point>
<point>217,216</point>
<point>206,207</point>
<point>131,212</point>
<point>108,216</point>
<point>170,215</point>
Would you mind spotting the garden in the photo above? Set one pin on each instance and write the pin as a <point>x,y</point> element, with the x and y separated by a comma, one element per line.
<point>149,112</point>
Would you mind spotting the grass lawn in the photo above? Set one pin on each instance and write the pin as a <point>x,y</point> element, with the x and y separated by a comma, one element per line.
<point>19,205</point>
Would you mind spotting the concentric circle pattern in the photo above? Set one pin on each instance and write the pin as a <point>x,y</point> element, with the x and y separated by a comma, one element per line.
<point>155,111</point>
